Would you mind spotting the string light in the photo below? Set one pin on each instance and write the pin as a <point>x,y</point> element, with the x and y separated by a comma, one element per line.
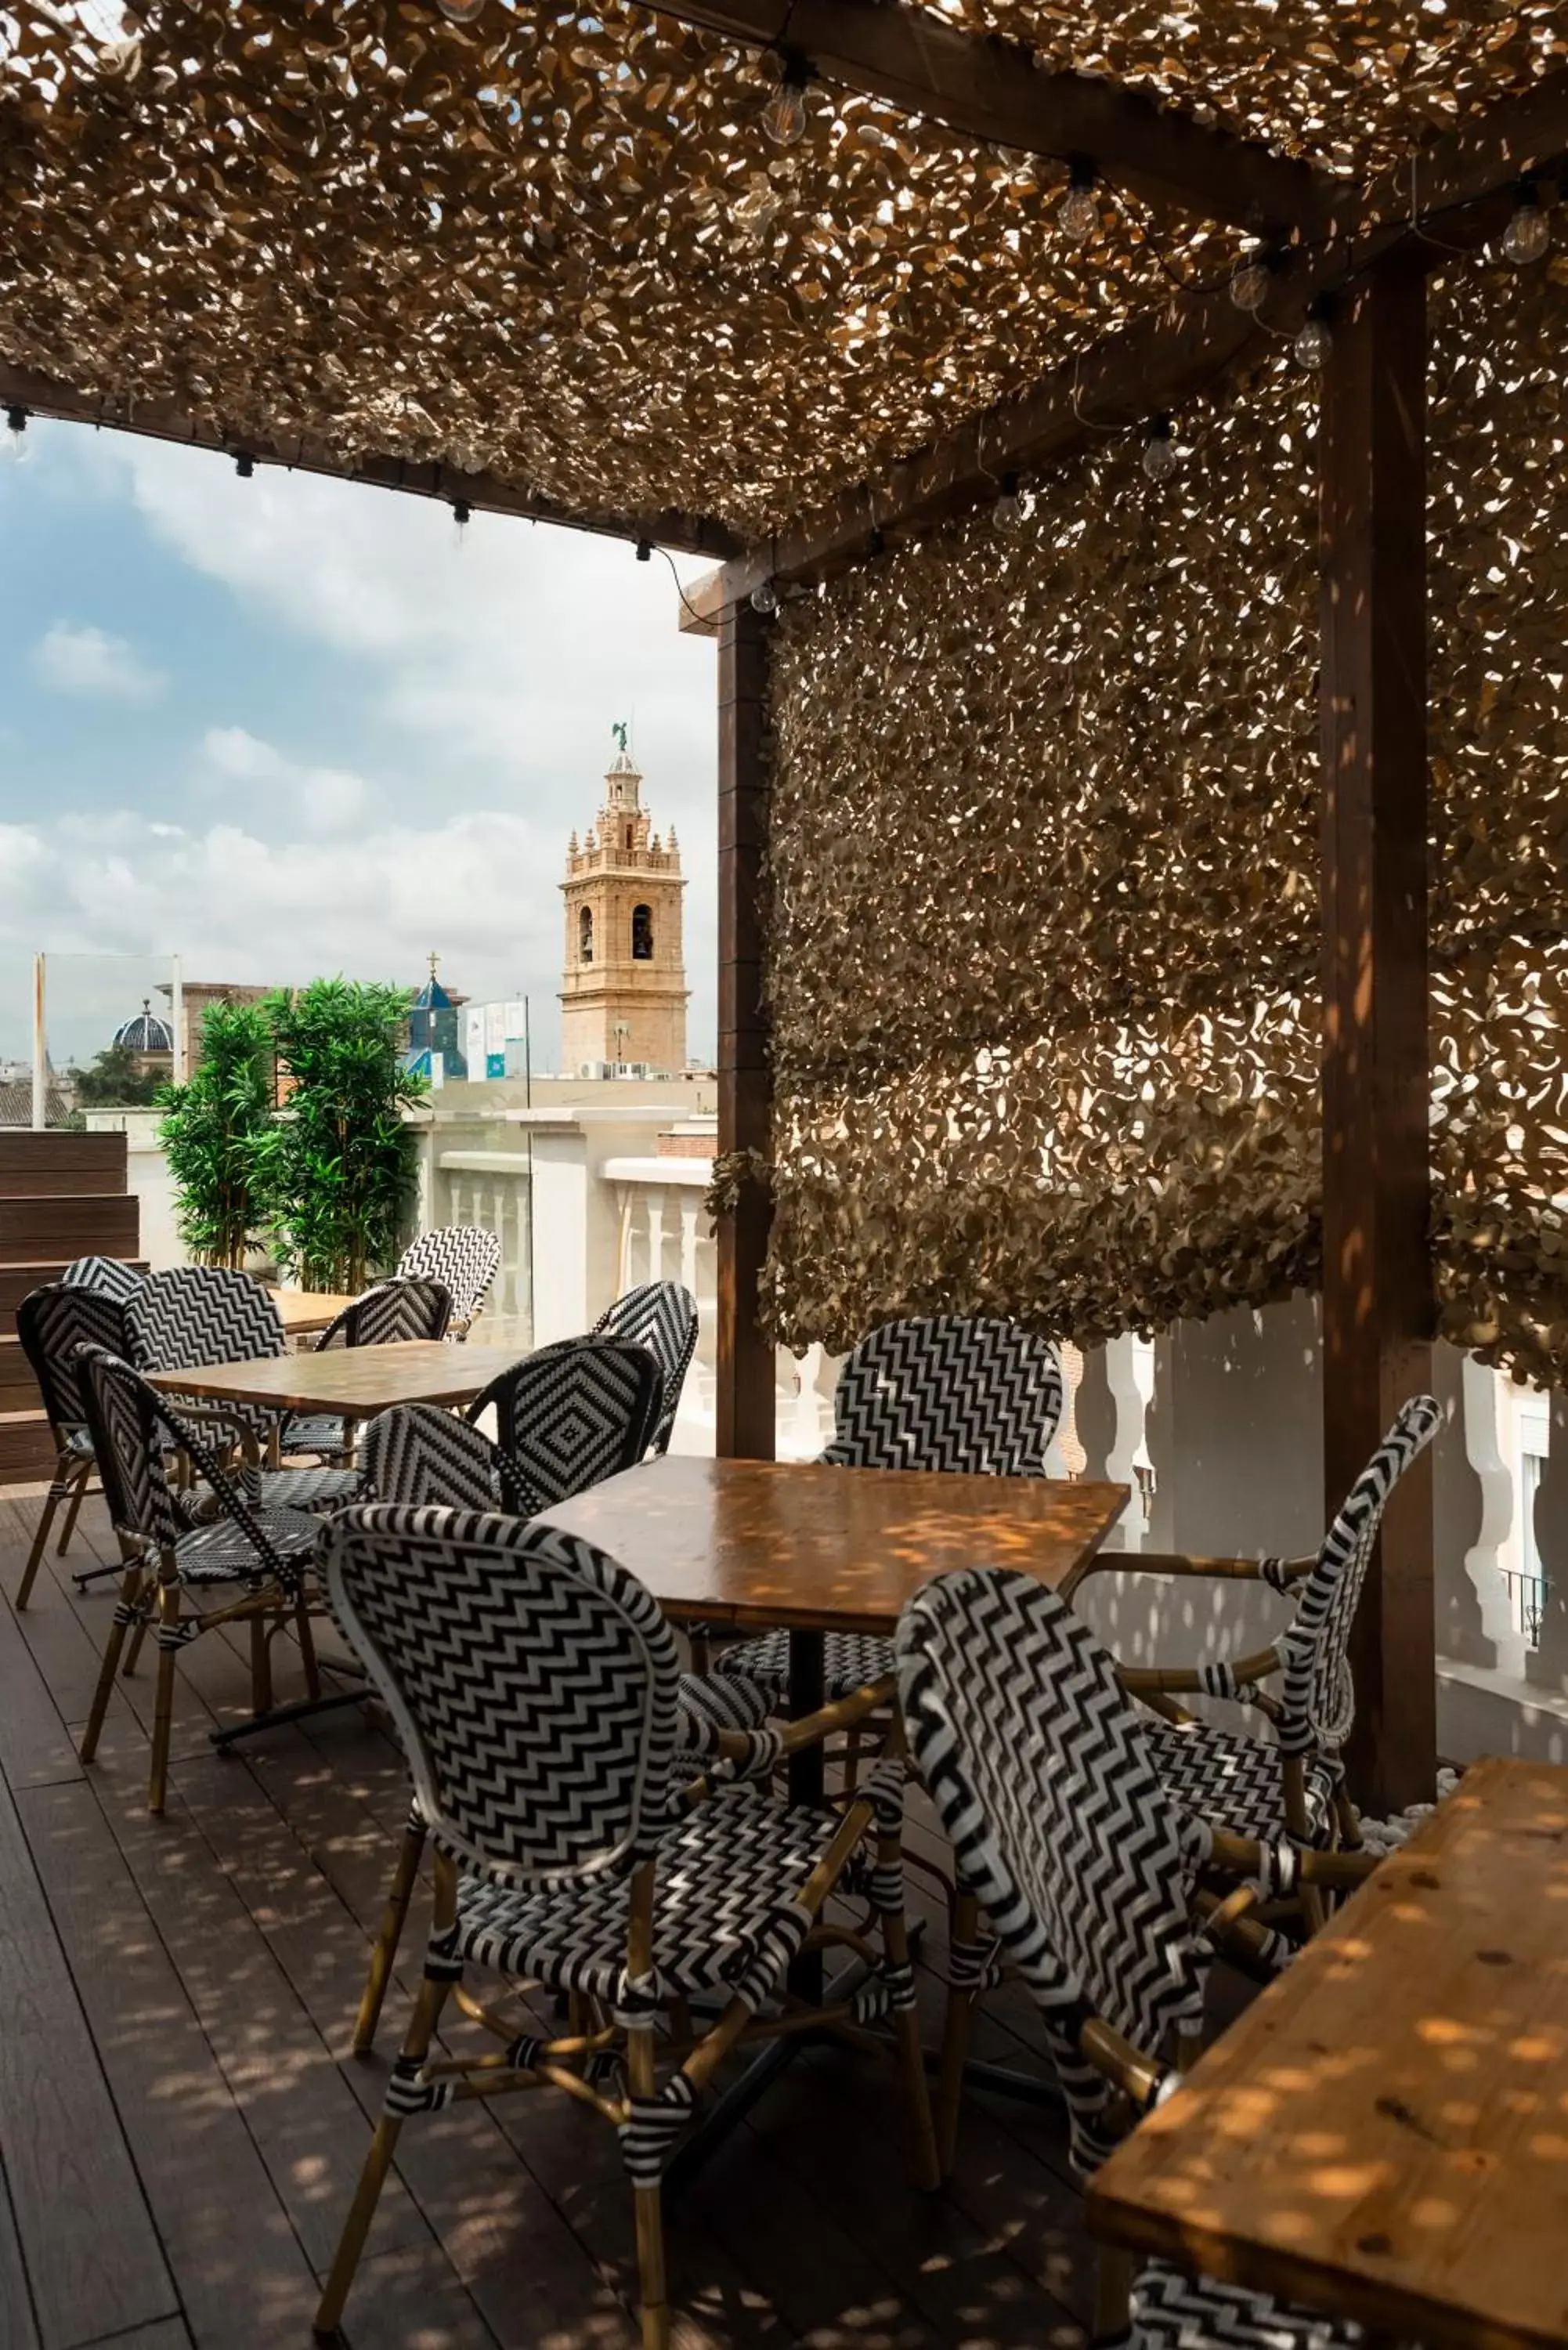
<point>461,512</point>
<point>1250,285</point>
<point>245,465</point>
<point>1314,344</point>
<point>1159,454</point>
<point>1529,232</point>
<point>1008,512</point>
<point>1078,213</point>
<point>645,550</point>
<point>784,117</point>
<point>14,448</point>
<point>765,598</point>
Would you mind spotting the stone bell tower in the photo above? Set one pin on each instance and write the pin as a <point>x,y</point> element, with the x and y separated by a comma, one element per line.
<point>624,992</point>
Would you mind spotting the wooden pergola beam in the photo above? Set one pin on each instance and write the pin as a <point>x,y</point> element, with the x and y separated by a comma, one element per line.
<point>157,420</point>
<point>995,92</point>
<point>1158,359</point>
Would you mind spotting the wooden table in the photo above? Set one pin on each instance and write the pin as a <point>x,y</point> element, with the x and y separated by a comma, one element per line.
<point>305,1312</point>
<point>1384,2133</point>
<point>353,1382</point>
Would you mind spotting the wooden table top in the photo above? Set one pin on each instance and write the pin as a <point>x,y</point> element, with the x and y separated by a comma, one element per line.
<point>354,1382</point>
<point>303,1311</point>
<point>796,1544</point>
<point>1384,2133</point>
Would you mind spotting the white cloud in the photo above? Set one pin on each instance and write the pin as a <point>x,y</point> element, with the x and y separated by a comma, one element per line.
<point>87,660</point>
<point>259,787</point>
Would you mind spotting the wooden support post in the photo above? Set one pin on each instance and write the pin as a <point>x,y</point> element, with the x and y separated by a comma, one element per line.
<point>745,1354</point>
<point>1378,1311</point>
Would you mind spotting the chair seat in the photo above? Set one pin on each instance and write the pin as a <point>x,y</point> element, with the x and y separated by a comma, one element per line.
<point>313,1432</point>
<point>311,1489</point>
<point>1233,1783</point>
<point>1173,2311</point>
<point>849,1660</point>
<point>221,1553</point>
<point>712,1703</point>
<point>726,1906</point>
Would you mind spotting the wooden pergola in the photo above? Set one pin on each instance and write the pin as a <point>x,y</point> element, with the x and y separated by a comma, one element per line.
<point>1366,241</point>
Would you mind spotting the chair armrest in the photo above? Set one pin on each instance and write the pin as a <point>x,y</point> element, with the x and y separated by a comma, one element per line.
<point>1195,1680</point>
<point>1229,1570</point>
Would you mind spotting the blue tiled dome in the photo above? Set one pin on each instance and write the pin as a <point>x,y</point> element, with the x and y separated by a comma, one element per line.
<point>146,1033</point>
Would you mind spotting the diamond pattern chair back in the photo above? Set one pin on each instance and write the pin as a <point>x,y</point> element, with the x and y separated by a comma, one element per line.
<point>104,1274</point>
<point>390,1311</point>
<point>465,1258</point>
<point>201,1313</point>
<point>1060,1823</point>
<point>51,1323</point>
<point>948,1393</point>
<point>662,1316</point>
<point>133,1428</point>
<point>574,1413</point>
<point>533,1682</point>
<point>1317,1695</point>
<point>421,1454</point>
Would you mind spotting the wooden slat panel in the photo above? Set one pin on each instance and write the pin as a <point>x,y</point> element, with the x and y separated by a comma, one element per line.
<point>19,1388</point>
<point>18,1279</point>
<point>1378,1305</point>
<point>92,2255</point>
<point>33,1166</point>
<point>32,1228</point>
<point>27,1448</point>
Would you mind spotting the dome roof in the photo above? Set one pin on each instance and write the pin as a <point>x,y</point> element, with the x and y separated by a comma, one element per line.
<point>146,1033</point>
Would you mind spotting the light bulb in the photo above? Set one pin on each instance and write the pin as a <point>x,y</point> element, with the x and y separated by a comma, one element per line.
<point>1078,213</point>
<point>1007,514</point>
<point>1529,232</point>
<point>462,12</point>
<point>765,598</point>
<point>784,117</point>
<point>1159,457</point>
<point>1312,346</point>
<point>13,446</point>
<point>1250,285</point>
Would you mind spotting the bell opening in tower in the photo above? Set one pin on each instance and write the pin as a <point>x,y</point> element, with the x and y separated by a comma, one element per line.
<point>642,934</point>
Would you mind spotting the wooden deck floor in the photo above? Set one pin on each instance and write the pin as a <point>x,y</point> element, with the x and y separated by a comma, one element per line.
<point>182,2121</point>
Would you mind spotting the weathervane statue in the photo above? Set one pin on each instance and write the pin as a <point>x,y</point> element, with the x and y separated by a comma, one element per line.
<point>618,729</point>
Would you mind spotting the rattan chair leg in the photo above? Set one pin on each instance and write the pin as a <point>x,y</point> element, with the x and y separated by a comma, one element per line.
<point>112,1647</point>
<point>52,1502</point>
<point>79,1492</point>
<point>306,1639</point>
<point>955,2037</point>
<point>163,1702</point>
<point>133,1649</point>
<point>925,2166</point>
<point>1113,2293</point>
<point>421,2031</point>
<point>261,1665</point>
<point>393,1919</point>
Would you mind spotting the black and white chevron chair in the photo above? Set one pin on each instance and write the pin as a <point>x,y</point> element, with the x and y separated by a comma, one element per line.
<point>465,1259</point>
<point>1292,1781</point>
<point>662,1316</point>
<point>1091,1876</point>
<point>390,1313</point>
<point>535,1685</point>
<point>571,1414</point>
<point>51,1323</point>
<point>201,1313</point>
<point>262,1555</point>
<point>108,1274</point>
<point>420,1456</point>
<point>981,1397</point>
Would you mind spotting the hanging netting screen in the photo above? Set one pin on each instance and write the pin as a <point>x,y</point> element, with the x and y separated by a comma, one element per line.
<point>1044,923</point>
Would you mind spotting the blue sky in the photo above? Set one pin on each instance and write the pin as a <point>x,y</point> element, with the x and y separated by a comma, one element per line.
<point>286,726</point>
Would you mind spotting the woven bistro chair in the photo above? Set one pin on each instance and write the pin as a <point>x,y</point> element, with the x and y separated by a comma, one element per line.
<point>110,1275</point>
<point>203,1314</point>
<point>260,1555</point>
<point>975,1396</point>
<point>574,1413</point>
<point>662,1316</point>
<point>419,1455</point>
<point>465,1259</point>
<point>1291,1782</point>
<point>1098,1885</point>
<point>535,1685</point>
<point>392,1314</point>
<point>51,1323</point>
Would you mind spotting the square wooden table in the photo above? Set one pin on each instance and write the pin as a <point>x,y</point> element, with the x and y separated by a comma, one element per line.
<point>304,1313</point>
<point>755,1543</point>
<point>1384,2133</point>
<point>352,1382</point>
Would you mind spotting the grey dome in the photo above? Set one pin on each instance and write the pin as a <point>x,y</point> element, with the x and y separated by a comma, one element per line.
<point>146,1033</point>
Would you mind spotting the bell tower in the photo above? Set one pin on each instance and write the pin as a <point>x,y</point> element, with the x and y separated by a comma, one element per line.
<point>623,993</point>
